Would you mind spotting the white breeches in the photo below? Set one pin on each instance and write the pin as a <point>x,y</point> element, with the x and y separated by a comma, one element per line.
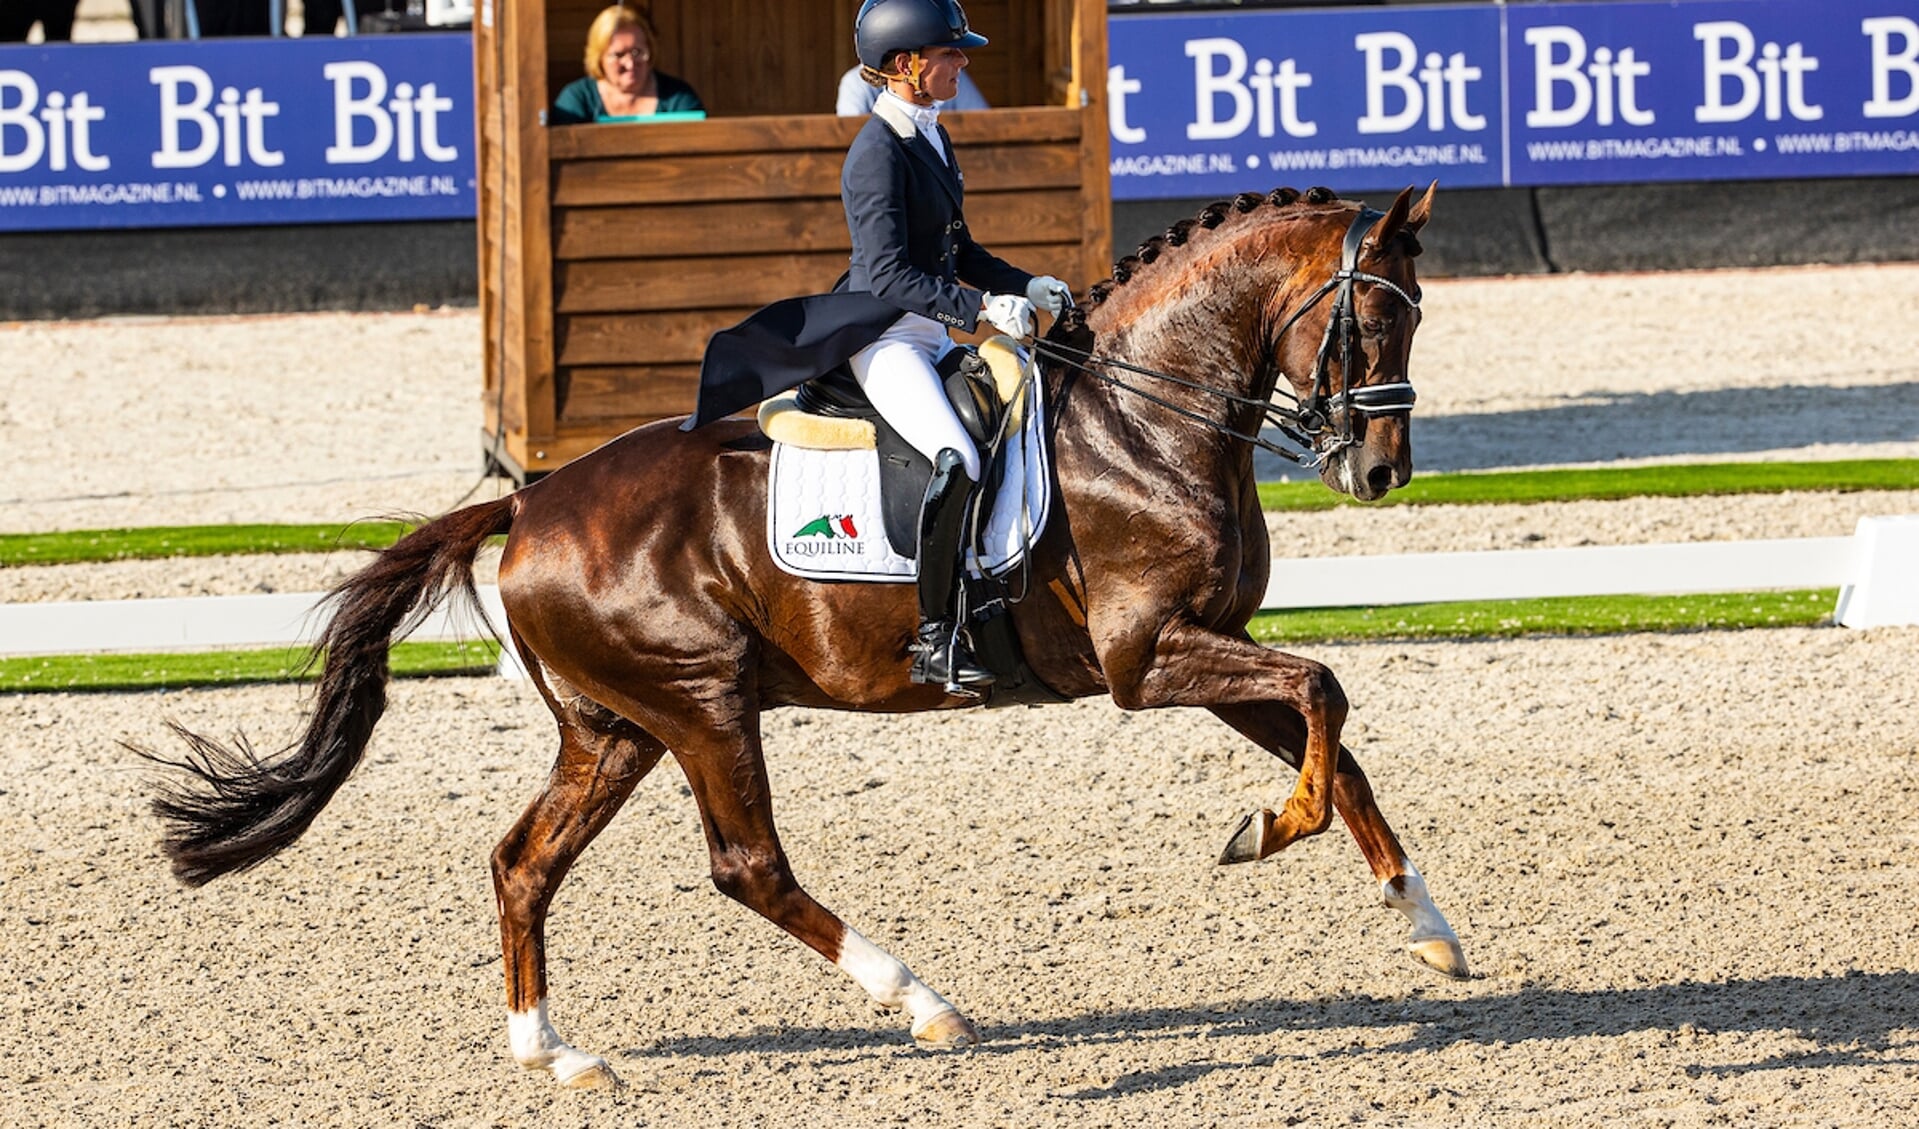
<point>897,374</point>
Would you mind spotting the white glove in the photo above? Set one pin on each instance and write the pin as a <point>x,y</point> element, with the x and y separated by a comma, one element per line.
<point>1049,294</point>
<point>1010,314</point>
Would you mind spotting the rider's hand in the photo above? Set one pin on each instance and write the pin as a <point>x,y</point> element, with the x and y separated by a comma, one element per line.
<point>1049,294</point>
<point>1010,314</point>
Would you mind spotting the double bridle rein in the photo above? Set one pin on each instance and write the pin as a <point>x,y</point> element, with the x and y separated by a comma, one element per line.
<point>1321,423</point>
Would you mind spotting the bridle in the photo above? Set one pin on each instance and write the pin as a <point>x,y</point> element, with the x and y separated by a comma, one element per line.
<point>1320,423</point>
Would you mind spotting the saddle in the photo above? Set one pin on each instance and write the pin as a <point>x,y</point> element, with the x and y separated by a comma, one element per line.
<point>831,413</point>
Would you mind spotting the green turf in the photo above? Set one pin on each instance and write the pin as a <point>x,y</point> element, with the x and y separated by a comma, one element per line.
<point>1433,489</point>
<point>55,673</point>
<point>1573,615</point>
<point>1690,480</point>
<point>158,542</point>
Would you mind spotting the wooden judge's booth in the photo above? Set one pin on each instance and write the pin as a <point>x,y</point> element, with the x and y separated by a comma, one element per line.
<point>609,253</point>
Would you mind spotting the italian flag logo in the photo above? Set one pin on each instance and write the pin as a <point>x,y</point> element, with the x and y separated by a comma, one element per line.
<point>829,526</point>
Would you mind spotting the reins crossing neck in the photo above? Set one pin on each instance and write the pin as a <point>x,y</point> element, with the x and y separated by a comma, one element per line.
<point>1321,423</point>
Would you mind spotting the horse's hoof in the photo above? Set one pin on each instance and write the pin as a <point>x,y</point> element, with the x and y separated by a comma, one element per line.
<point>595,1076</point>
<point>1441,954</point>
<point>949,1030</point>
<point>1247,842</point>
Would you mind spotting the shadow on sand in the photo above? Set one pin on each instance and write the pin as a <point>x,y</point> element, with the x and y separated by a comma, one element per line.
<point>1721,423</point>
<point>1849,1020</point>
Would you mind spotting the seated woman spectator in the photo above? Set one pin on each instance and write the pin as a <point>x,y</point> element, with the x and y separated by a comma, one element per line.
<point>620,80</point>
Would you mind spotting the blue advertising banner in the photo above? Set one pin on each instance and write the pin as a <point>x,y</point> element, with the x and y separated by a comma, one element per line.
<point>1526,94</point>
<point>1713,90</point>
<point>167,134</point>
<point>1217,104</point>
<point>162,134</point>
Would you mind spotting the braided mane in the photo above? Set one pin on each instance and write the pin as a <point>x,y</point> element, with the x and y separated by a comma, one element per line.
<point>1073,321</point>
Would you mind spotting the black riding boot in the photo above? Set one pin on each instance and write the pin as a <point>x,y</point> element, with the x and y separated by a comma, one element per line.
<point>941,656</point>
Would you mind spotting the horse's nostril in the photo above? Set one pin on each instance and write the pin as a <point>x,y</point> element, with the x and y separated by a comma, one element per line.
<point>1380,479</point>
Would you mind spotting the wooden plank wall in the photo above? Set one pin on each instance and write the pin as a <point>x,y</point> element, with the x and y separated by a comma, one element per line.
<point>751,57</point>
<point>514,237</point>
<point>664,234</point>
<point>603,278</point>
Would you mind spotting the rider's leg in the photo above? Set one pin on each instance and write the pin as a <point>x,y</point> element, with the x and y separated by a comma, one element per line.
<point>943,658</point>
<point>898,375</point>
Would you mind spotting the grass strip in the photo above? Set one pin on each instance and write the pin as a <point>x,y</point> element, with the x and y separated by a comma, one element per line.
<point>1570,615</point>
<point>1694,480</point>
<point>173,671</point>
<point>1583,615</point>
<point>89,546</point>
<point>1602,484</point>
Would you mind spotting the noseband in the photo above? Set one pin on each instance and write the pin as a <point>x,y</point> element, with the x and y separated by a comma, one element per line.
<point>1323,407</point>
<point>1321,422</point>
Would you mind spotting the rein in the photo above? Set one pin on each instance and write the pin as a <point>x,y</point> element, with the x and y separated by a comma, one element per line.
<point>1308,420</point>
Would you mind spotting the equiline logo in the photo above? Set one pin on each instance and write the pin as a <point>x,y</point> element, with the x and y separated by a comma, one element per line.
<point>828,535</point>
<point>828,526</point>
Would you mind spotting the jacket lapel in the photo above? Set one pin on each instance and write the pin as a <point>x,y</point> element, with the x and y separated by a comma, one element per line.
<point>915,143</point>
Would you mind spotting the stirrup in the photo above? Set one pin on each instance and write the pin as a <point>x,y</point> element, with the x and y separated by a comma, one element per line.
<point>942,658</point>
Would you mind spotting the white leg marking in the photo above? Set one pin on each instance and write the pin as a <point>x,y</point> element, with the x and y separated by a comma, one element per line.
<point>1408,895</point>
<point>537,1046</point>
<point>889,982</point>
<point>1433,941</point>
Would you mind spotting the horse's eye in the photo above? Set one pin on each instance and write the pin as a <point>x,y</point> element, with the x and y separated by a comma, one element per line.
<point>1373,327</point>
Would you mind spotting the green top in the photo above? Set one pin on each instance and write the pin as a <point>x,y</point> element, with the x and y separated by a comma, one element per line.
<point>580,101</point>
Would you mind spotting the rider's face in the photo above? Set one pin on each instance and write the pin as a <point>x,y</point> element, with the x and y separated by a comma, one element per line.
<point>943,67</point>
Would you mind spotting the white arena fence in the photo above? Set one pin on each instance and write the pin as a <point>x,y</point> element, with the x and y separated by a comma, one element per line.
<point>1876,570</point>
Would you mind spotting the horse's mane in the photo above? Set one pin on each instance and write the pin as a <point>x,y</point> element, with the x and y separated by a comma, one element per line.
<point>1073,322</point>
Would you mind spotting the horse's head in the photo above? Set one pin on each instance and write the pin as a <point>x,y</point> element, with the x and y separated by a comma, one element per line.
<point>1304,298</point>
<point>1343,339</point>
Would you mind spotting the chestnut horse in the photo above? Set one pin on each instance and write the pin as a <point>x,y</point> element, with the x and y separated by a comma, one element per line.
<point>666,626</point>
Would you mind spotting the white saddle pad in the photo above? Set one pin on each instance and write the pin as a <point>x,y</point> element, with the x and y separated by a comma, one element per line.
<point>824,521</point>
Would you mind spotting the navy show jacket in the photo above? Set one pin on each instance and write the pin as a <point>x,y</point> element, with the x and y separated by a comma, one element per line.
<point>912,250</point>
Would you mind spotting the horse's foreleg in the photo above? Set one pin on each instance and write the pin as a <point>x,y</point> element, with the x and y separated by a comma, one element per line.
<point>1195,666</point>
<point>750,867</point>
<point>1433,942</point>
<point>593,776</point>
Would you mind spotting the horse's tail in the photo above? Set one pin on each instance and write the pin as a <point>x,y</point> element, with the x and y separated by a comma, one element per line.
<point>240,809</point>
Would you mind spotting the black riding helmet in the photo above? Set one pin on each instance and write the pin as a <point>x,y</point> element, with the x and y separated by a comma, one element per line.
<point>886,26</point>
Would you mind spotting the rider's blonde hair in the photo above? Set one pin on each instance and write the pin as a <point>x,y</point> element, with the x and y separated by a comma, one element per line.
<point>611,20</point>
<point>912,71</point>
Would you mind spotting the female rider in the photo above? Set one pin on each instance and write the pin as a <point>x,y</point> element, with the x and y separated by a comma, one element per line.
<point>902,189</point>
<point>888,317</point>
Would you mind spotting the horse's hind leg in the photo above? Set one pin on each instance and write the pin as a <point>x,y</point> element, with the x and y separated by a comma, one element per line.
<point>728,776</point>
<point>1283,733</point>
<point>602,758</point>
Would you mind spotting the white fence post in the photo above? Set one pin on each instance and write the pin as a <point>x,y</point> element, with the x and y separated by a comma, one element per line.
<point>1884,588</point>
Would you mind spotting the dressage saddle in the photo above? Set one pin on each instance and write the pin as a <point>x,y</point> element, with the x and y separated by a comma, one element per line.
<point>904,472</point>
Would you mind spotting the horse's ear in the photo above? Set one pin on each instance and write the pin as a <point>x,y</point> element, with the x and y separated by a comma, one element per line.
<point>1402,216</point>
<point>1422,211</point>
<point>1390,224</point>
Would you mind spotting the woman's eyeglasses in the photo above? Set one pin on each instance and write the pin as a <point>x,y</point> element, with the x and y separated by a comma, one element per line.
<point>630,55</point>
